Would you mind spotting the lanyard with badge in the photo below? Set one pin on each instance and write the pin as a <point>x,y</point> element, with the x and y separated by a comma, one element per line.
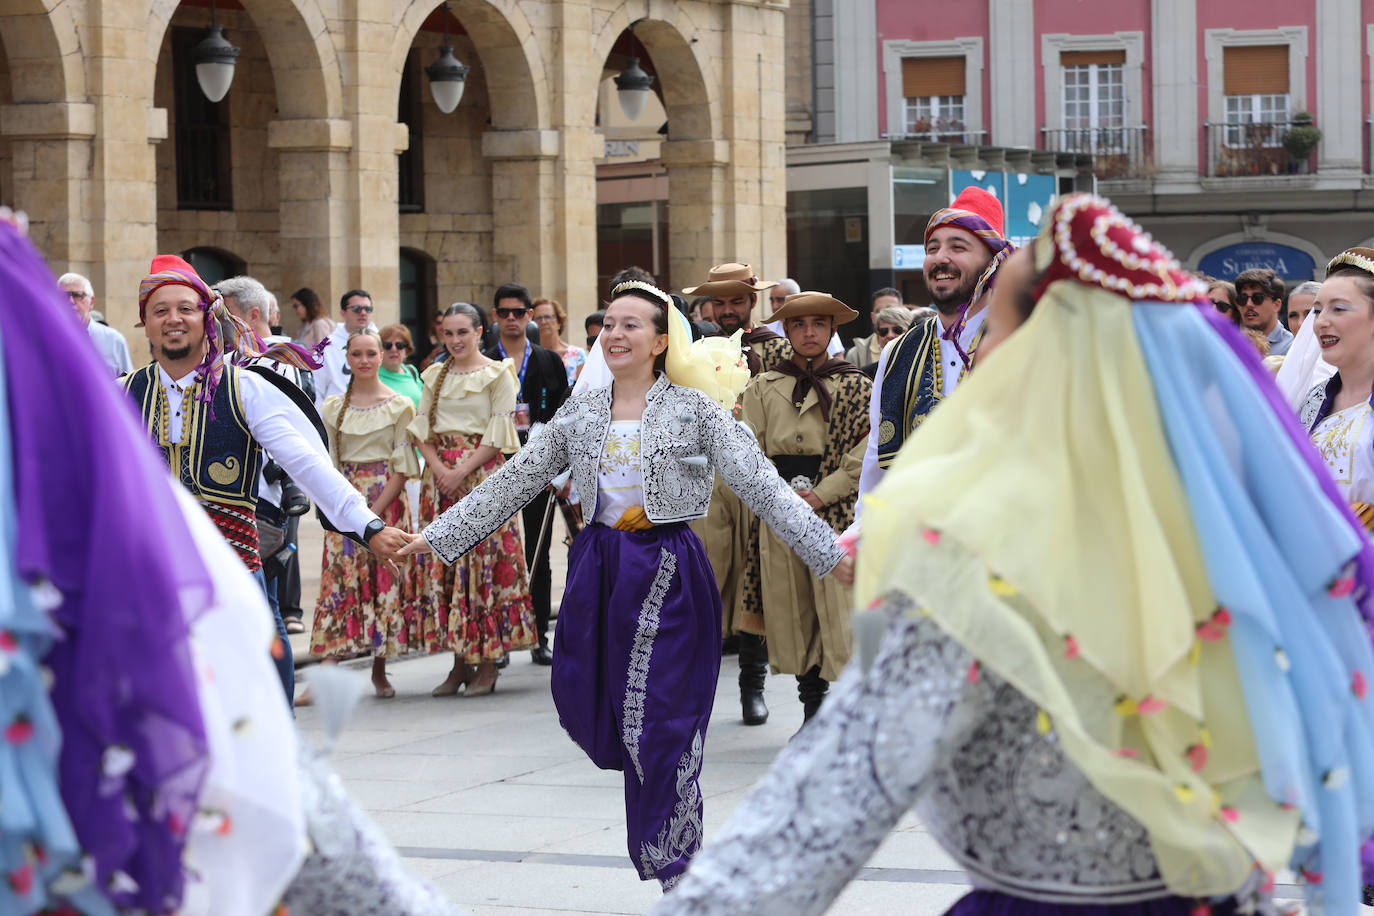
<point>522,408</point>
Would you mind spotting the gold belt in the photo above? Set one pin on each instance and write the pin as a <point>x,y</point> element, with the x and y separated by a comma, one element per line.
<point>633,519</point>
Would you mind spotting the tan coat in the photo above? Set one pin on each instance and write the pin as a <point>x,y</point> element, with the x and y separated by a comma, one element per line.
<point>806,618</point>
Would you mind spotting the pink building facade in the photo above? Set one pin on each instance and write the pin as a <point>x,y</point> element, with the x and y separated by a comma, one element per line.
<point>1237,131</point>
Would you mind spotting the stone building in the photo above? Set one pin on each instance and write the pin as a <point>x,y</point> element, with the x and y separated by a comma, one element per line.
<point>329,165</point>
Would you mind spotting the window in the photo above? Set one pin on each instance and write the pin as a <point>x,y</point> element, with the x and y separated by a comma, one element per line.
<point>1094,109</point>
<point>417,298</point>
<point>933,88</point>
<point>215,265</point>
<point>410,185</point>
<point>202,133</point>
<point>1256,94</point>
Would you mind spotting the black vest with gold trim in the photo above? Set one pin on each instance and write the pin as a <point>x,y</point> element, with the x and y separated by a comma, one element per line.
<point>217,460</point>
<point>911,387</point>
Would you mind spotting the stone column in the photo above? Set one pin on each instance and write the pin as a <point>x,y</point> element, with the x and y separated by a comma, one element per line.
<point>51,154</point>
<point>571,278</point>
<point>754,109</point>
<point>1176,123</point>
<point>1341,152</point>
<point>697,202</point>
<point>123,199</point>
<point>524,217</point>
<point>313,179</point>
<point>1011,52</point>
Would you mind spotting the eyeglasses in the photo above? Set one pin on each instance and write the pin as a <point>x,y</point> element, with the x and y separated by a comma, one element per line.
<point>395,345</point>
<point>545,319</point>
<point>511,313</point>
<point>889,332</point>
<point>360,309</point>
<point>1222,306</point>
<point>1256,298</point>
<point>77,295</point>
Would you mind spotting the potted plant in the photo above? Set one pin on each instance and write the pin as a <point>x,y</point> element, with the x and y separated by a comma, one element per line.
<point>1301,139</point>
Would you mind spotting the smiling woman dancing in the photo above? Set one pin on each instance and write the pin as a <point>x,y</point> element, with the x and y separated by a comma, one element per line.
<point>637,648</point>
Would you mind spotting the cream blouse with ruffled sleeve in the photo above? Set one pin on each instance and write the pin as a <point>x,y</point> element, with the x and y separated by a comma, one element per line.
<point>376,433</point>
<point>480,402</point>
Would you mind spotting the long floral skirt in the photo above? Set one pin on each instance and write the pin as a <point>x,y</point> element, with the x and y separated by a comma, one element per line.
<point>363,608</point>
<point>480,606</point>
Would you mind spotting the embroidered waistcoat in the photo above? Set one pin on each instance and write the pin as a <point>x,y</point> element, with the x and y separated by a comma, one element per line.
<point>217,460</point>
<point>910,387</point>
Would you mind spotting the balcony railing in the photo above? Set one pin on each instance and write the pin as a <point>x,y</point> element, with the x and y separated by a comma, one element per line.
<point>1118,152</point>
<point>1259,149</point>
<point>944,134</point>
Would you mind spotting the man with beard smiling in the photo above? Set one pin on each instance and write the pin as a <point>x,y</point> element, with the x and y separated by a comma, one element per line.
<point>215,423</point>
<point>964,247</point>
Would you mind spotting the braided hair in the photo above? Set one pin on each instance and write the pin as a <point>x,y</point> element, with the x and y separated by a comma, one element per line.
<point>471,312</point>
<point>348,392</point>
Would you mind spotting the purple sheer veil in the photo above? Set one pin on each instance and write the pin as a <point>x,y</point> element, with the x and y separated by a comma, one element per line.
<point>97,520</point>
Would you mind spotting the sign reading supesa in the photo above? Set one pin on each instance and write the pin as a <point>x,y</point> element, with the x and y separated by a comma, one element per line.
<point>1288,262</point>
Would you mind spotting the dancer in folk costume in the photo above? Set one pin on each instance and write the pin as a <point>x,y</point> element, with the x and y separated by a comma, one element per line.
<point>810,414</point>
<point>728,530</point>
<point>1116,669</point>
<point>364,606</point>
<point>637,645</point>
<point>479,609</point>
<point>965,245</point>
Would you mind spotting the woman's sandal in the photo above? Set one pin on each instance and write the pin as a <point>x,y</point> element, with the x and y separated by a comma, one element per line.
<point>451,684</point>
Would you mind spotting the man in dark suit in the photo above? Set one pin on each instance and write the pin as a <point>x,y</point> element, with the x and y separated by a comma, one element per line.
<point>543,389</point>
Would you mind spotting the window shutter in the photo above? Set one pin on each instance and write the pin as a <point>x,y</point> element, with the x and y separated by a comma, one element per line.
<point>1255,70</point>
<point>927,76</point>
<point>1083,58</point>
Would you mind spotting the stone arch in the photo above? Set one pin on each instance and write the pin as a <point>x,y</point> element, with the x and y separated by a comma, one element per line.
<point>44,51</point>
<point>668,34</point>
<point>507,45</point>
<point>305,66</point>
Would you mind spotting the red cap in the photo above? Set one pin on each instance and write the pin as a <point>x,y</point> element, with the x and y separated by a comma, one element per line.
<point>975,211</point>
<point>981,203</point>
<point>170,262</point>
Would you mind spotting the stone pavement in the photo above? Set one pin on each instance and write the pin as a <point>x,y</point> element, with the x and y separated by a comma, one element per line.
<point>489,798</point>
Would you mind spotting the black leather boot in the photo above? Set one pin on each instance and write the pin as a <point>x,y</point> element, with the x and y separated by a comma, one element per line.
<point>811,689</point>
<point>753,668</point>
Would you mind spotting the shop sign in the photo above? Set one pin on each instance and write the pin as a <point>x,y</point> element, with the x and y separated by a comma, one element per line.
<point>1288,262</point>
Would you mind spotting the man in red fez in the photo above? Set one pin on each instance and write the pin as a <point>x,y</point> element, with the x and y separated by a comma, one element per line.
<point>216,422</point>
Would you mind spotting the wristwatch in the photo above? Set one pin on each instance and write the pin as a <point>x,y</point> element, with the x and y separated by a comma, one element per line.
<point>373,528</point>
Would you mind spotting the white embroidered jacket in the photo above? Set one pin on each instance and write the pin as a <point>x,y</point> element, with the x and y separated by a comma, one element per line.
<point>684,439</point>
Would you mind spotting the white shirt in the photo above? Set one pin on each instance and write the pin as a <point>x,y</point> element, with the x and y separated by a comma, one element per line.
<point>834,348</point>
<point>620,481</point>
<point>272,491</point>
<point>113,348</point>
<point>287,436</point>
<point>951,368</point>
<point>1344,441</point>
<point>332,377</point>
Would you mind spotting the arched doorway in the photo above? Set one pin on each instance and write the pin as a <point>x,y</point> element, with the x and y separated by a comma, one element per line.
<point>214,264</point>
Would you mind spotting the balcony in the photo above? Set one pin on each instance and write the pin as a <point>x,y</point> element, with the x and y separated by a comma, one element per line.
<point>941,130</point>
<point>1119,153</point>
<point>1260,149</point>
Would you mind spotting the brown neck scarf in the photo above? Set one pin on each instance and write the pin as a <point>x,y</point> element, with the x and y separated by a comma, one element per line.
<point>808,379</point>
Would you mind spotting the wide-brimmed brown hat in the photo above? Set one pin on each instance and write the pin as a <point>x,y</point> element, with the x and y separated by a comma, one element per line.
<point>801,304</point>
<point>730,280</point>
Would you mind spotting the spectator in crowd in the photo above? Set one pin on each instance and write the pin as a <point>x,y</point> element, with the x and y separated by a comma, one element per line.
<point>1224,297</point>
<point>479,608</point>
<point>701,309</point>
<point>1260,293</point>
<point>553,321</point>
<point>397,374</point>
<point>592,324</point>
<point>776,297</point>
<point>921,313</point>
<point>355,307</point>
<point>315,324</point>
<point>866,350</point>
<point>544,386</point>
<point>112,346</point>
<point>888,324</point>
<point>1300,303</point>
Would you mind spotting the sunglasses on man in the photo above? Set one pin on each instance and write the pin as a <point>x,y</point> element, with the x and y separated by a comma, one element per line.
<point>1256,298</point>
<point>889,332</point>
<point>360,309</point>
<point>512,313</point>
